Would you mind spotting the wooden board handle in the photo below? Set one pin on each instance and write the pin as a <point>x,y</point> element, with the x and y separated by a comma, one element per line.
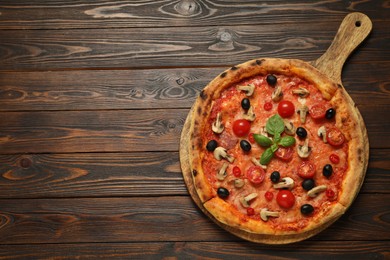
<point>353,30</point>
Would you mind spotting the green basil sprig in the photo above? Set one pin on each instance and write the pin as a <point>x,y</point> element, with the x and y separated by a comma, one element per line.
<point>275,127</point>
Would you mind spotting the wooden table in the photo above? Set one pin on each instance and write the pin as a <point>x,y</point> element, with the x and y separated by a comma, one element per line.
<point>93,97</point>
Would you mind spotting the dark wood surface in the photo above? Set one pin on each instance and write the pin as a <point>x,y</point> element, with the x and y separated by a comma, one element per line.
<point>93,97</point>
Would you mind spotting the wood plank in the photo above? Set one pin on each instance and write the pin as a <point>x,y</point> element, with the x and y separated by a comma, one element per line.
<point>107,14</point>
<point>200,250</point>
<point>156,219</point>
<point>164,47</point>
<point>123,174</point>
<point>150,88</point>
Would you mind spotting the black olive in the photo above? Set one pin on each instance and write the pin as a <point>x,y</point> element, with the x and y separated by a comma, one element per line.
<point>330,113</point>
<point>275,176</point>
<point>308,184</point>
<point>307,209</point>
<point>223,193</point>
<point>327,170</point>
<point>245,145</point>
<point>211,145</point>
<point>271,80</point>
<point>301,132</point>
<point>245,103</point>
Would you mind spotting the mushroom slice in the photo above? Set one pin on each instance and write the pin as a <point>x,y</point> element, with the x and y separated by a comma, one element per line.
<point>249,115</point>
<point>247,199</point>
<point>289,127</point>
<point>239,183</point>
<point>301,92</point>
<point>316,190</point>
<point>217,126</point>
<point>304,150</point>
<point>286,182</point>
<point>221,175</point>
<point>248,89</point>
<point>257,163</point>
<point>221,153</point>
<point>264,214</point>
<point>277,94</point>
<point>303,110</point>
<point>322,133</point>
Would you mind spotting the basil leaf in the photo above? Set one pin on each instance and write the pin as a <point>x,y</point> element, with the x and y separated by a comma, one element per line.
<point>287,141</point>
<point>274,147</point>
<point>266,156</point>
<point>277,138</point>
<point>262,140</point>
<point>275,125</point>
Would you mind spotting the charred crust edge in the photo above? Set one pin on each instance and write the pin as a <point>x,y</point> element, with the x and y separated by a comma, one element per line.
<point>234,68</point>
<point>199,110</point>
<point>194,172</point>
<point>223,74</point>
<point>203,95</point>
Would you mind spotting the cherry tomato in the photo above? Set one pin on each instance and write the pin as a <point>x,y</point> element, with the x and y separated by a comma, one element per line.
<point>268,106</point>
<point>236,171</point>
<point>269,195</point>
<point>286,108</point>
<point>250,211</point>
<point>241,127</point>
<point>317,111</point>
<point>306,170</point>
<point>285,199</point>
<point>334,158</point>
<point>251,138</point>
<point>335,137</point>
<point>255,174</point>
<point>284,153</point>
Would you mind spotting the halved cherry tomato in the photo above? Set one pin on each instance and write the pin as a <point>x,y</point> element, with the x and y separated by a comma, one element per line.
<point>284,153</point>
<point>268,106</point>
<point>250,211</point>
<point>251,138</point>
<point>236,171</point>
<point>317,111</point>
<point>241,127</point>
<point>285,199</point>
<point>335,137</point>
<point>255,174</point>
<point>306,170</point>
<point>286,108</point>
<point>269,195</point>
<point>334,158</point>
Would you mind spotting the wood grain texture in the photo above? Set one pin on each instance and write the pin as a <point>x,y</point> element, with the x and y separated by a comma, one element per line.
<point>164,218</point>
<point>107,14</point>
<point>123,174</point>
<point>164,47</point>
<point>201,250</point>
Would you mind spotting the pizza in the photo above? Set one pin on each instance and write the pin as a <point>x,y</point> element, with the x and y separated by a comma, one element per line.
<point>275,149</point>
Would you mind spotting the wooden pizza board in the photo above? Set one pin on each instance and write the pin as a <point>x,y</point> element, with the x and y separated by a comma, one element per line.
<point>353,30</point>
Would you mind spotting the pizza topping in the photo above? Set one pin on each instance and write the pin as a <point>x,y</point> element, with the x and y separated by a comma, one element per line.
<point>271,80</point>
<point>267,106</point>
<point>275,176</point>
<point>334,158</point>
<point>306,170</point>
<point>265,214</point>
<point>262,140</point>
<point>335,137</point>
<point>302,113</point>
<point>285,199</point>
<point>223,193</point>
<point>211,145</point>
<point>308,184</point>
<point>287,141</point>
<point>289,127</point>
<point>241,127</point>
<point>322,133</point>
<point>221,153</point>
<point>275,125</point>
<point>286,108</point>
<point>251,138</point>
<point>316,191</point>
<point>248,89</point>
<point>284,153</point>
<point>301,132</point>
<point>330,113</point>
<point>250,211</point>
<point>268,195</point>
<point>317,111</point>
<point>285,183</point>
<point>247,199</point>
<point>245,145</point>
<point>327,170</point>
<point>245,103</point>
<point>239,183</point>
<point>277,94</point>
<point>307,209</point>
<point>330,193</point>
<point>221,175</point>
<point>249,115</point>
<point>236,171</point>
<point>301,92</point>
<point>255,174</point>
<point>304,150</point>
<point>217,126</point>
